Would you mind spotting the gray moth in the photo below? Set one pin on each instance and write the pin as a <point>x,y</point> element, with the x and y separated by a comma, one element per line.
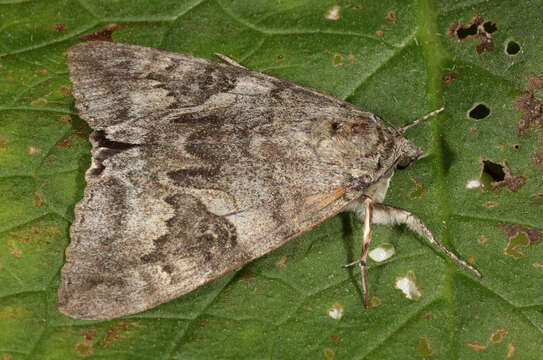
<point>199,167</point>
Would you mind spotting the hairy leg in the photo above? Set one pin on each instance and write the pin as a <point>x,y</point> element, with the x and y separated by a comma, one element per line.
<point>390,215</point>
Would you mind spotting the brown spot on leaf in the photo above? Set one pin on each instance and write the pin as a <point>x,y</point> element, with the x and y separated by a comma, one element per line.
<point>418,191</point>
<point>476,346</point>
<point>510,350</point>
<point>496,174</point>
<point>8,313</point>
<point>519,237</point>
<point>427,315</point>
<point>44,71</point>
<point>329,354</point>
<point>535,82</point>
<point>537,157</point>
<point>512,230</point>
<point>84,349</point>
<point>532,112</point>
<point>532,115</point>
<point>14,250</point>
<point>89,334</point>
<point>490,204</point>
<point>60,27</point>
<point>520,240</point>
<point>471,259</point>
<point>337,61</point>
<point>5,357</point>
<point>375,301</point>
<point>39,102</point>
<point>478,28</point>
<point>449,77</point>
<point>118,332</point>
<point>38,198</point>
<point>67,119</point>
<point>379,33</point>
<point>423,348</point>
<point>247,277</point>
<point>282,262</point>
<point>102,35</point>
<point>334,337</point>
<point>66,142</point>
<point>37,233</point>
<point>65,91</point>
<point>351,58</point>
<point>3,143</point>
<point>391,16</point>
<point>357,8</point>
<point>498,336</point>
<point>481,240</point>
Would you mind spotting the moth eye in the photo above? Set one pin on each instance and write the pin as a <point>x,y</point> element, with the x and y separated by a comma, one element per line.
<point>403,163</point>
<point>336,126</point>
<point>357,128</point>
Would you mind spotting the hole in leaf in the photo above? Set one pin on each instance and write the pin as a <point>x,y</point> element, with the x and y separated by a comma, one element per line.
<point>512,48</point>
<point>478,28</point>
<point>479,111</point>
<point>495,171</point>
<point>463,33</point>
<point>490,27</point>
<point>495,174</point>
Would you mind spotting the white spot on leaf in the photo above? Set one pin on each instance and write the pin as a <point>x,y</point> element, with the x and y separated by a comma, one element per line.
<point>333,13</point>
<point>336,311</point>
<point>473,184</point>
<point>407,284</point>
<point>382,252</point>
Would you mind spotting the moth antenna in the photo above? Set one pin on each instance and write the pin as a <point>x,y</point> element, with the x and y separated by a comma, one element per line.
<point>413,123</point>
<point>227,60</point>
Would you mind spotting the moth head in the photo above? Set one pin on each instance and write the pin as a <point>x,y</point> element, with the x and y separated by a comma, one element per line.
<point>408,152</point>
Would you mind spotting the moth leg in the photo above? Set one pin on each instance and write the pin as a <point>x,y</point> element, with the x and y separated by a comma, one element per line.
<point>390,215</point>
<point>366,238</point>
<point>227,60</point>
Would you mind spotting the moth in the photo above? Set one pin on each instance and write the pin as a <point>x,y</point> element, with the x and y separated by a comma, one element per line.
<point>199,167</point>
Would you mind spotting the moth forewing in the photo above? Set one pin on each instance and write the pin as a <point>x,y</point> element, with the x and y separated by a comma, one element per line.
<point>200,167</point>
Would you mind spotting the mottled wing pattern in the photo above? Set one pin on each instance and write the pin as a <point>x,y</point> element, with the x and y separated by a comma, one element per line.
<point>197,169</point>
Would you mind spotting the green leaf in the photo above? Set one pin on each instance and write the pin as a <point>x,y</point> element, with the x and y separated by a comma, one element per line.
<point>298,302</point>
